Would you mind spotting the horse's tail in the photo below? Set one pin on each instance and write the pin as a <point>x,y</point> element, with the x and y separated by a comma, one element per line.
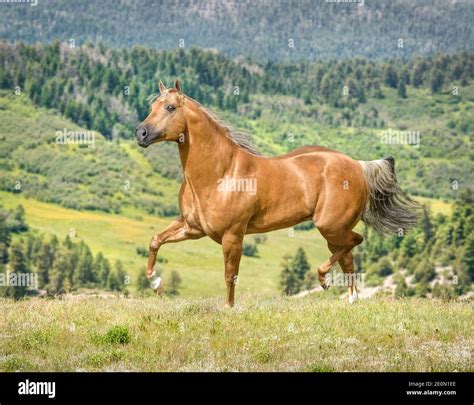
<point>388,208</point>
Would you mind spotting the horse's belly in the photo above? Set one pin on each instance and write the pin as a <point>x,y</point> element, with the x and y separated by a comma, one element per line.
<point>272,224</point>
<point>285,205</point>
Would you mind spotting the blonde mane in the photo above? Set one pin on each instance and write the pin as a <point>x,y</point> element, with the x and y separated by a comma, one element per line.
<point>239,138</point>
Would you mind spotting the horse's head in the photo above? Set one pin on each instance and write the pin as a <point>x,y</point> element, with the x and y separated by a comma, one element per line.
<point>166,120</point>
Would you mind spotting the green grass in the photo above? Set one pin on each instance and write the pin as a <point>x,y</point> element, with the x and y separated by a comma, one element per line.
<point>262,333</point>
<point>437,206</point>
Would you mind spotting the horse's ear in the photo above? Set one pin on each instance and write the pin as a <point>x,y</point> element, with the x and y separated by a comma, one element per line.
<point>162,87</point>
<point>177,86</point>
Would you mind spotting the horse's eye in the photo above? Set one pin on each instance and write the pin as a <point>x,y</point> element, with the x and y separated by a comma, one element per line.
<point>170,108</point>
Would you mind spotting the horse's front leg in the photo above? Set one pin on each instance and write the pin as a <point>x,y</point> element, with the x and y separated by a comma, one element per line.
<point>177,231</point>
<point>232,249</point>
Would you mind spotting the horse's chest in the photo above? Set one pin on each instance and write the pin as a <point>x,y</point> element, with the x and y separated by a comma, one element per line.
<point>210,214</point>
<point>197,211</point>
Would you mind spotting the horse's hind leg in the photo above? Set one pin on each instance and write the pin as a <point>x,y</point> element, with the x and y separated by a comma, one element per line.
<point>347,265</point>
<point>340,247</point>
<point>327,265</point>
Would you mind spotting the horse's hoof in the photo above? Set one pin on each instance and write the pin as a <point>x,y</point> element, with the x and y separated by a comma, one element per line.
<point>228,306</point>
<point>353,297</point>
<point>325,283</point>
<point>160,289</point>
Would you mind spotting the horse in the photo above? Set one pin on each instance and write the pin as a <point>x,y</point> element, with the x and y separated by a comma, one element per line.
<point>229,190</point>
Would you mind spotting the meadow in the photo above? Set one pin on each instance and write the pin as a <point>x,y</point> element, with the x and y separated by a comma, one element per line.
<point>316,333</point>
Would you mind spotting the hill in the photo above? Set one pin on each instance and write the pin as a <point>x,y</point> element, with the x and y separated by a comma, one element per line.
<point>103,184</point>
<point>92,174</point>
<point>319,29</point>
<point>418,111</point>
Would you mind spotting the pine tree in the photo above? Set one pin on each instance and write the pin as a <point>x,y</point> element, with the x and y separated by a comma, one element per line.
<point>326,86</point>
<point>289,282</point>
<point>408,245</point>
<point>418,72</point>
<point>101,269</point>
<point>16,220</point>
<point>299,264</point>
<point>402,89</point>
<point>44,263</point>
<point>113,283</point>
<point>467,258</point>
<point>18,265</point>
<point>121,275</point>
<point>310,280</point>
<point>84,272</point>
<point>391,76</point>
<point>5,239</point>
<point>143,283</point>
<point>436,80</point>
<point>57,276</point>
<point>427,226</point>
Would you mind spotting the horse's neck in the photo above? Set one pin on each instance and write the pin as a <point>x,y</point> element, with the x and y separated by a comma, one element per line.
<point>206,153</point>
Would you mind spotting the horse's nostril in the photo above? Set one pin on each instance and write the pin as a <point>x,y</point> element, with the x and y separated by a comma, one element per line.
<point>141,132</point>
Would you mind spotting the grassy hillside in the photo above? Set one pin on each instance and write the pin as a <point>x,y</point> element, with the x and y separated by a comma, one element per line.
<point>98,175</point>
<point>71,177</point>
<point>260,334</point>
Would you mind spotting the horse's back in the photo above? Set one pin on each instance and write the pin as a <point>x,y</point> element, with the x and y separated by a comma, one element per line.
<point>305,150</point>
<point>334,183</point>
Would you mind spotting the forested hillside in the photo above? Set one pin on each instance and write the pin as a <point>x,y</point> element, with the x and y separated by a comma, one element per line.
<point>355,105</point>
<point>347,105</point>
<point>98,175</point>
<point>101,88</point>
<point>264,29</point>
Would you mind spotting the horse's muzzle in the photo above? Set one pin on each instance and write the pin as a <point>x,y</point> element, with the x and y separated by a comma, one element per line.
<point>145,137</point>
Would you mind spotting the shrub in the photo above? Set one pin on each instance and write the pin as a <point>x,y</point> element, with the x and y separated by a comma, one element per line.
<point>249,249</point>
<point>119,334</point>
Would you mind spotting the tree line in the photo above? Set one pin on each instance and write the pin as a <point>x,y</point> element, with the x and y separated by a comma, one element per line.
<point>109,90</point>
<point>60,265</point>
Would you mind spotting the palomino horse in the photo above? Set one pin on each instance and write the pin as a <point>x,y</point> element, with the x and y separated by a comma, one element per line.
<point>229,190</point>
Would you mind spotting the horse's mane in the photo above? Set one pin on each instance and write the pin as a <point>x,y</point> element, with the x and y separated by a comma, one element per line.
<point>242,139</point>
